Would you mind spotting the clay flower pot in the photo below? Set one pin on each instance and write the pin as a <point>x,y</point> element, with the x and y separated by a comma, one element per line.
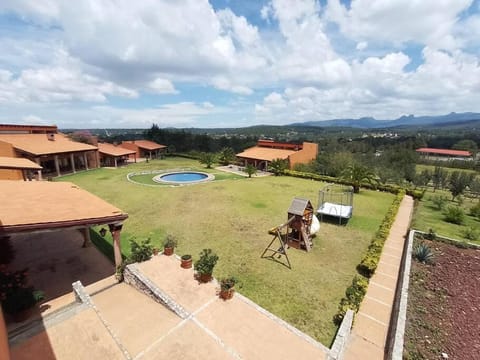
<point>205,278</point>
<point>186,261</point>
<point>227,294</point>
<point>227,287</point>
<point>168,251</point>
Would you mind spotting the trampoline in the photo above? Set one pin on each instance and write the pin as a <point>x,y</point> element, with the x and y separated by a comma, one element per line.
<point>336,201</point>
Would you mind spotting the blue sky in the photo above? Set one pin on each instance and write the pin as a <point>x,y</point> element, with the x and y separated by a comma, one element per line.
<point>231,63</point>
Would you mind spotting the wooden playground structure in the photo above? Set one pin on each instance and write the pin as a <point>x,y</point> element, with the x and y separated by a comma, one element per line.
<point>296,232</point>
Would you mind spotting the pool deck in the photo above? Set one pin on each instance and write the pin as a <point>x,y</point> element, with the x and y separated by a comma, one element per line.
<point>234,169</point>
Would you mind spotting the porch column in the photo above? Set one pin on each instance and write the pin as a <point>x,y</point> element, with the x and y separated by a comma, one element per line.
<point>39,172</point>
<point>115,160</point>
<point>85,160</point>
<point>115,230</point>
<point>57,165</point>
<point>97,158</point>
<point>86,236</point>
<point>72,161</point>
<point>135,157</point>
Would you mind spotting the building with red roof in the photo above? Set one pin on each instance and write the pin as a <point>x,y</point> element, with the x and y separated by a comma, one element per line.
<point>444,154</point>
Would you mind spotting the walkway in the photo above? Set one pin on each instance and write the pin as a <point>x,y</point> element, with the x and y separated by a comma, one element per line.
<point>369,333</point>
<point>124,323</point>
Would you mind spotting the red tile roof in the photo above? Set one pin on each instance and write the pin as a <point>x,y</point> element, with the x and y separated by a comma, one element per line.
<point>445,152</point>
<point>39,144</point>
<point>18,163</point>
<point>264,153</point>
<point>147,144</point>
<point>112,150</point>
<point>33,205</point>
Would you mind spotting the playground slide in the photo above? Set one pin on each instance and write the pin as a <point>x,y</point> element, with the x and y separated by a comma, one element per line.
<point>315,225</point>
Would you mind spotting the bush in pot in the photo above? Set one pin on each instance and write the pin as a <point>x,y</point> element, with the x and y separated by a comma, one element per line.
<point>205,264</point>
<point>227,287</point>
<point>169,245</point>
<point>16,297</point>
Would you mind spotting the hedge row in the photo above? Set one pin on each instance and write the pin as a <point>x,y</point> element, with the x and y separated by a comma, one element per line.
<point>353,298</point>
<point>394,189</point>
<point>355,292</point>
<point>369,263</point>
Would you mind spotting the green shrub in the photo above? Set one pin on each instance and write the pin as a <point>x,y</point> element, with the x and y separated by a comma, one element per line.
<point>170,241</point>
<point>369,263</point>
<point>394,189</point>
<point>471,233</point>
<point>228,283</point>
<point>207,261</point>
<point>423,253</point>
<point>353,298</point>
<point>431,235</point>
<point>475,211</point>
<point>140,251</point>
<point>439,201</point>
<point>455,215</point>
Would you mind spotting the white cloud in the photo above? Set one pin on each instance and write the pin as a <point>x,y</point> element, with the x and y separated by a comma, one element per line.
<point>428,21</point>
<point>162,86</point>
<point>362,45</point>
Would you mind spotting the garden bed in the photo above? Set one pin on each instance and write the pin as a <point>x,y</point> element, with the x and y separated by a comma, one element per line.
<point>443,315</point>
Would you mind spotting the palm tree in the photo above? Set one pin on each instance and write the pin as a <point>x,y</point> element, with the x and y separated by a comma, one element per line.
<point>208,159</point>
<point>250,170</point>
<point>226,156</point>
<point>357,174</point>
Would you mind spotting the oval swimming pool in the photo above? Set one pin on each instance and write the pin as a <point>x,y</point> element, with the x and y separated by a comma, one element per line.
<point>183,177</point>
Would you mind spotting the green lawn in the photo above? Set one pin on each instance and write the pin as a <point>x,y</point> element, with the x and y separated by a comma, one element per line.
<point>232,216</point>
<point>428,217</point>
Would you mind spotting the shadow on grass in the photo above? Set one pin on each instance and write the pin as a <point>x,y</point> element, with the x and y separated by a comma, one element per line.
<point>102,244</point>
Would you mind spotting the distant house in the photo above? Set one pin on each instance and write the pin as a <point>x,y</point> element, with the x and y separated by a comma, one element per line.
<point>265,151</point>
<point>54,152</point>
<point>12,168</point>
<point>144,148</point>
<point>444,154</point>
<point>112,155</point>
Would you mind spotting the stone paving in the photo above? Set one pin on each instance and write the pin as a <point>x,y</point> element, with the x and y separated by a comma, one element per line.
<point>369,333</point>
<point>121,322</point>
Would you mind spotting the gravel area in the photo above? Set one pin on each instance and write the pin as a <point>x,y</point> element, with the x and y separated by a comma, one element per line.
<point>443,316</point>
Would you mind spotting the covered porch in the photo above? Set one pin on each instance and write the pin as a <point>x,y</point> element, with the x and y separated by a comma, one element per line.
<point>39,207</point>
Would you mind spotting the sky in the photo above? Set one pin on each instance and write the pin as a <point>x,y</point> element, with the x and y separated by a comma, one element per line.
<point>235,63</point>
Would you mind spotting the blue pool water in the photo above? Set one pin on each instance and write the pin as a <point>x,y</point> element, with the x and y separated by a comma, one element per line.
<point>184,177</point>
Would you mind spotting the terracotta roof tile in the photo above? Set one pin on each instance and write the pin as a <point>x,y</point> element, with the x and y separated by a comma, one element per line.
<point>263,153</point>
<point>147,144</point>
<point>112,150</point>
<point>38,144</point>
<point>444,152</point>
<point>46,204</point>
<point>17,163</point>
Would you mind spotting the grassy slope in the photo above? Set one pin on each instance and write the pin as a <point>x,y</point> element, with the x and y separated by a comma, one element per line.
<point>428,217</point>
<point>232,217</point>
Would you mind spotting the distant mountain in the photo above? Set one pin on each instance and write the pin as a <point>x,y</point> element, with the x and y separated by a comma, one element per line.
<point>410,120</point>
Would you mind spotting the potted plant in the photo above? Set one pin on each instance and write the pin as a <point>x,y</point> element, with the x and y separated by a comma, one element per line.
<point>205,264</point>
<point>186,261</point>
<point>169,245</point>
<point>227,287</point>
<point>155,251</point>
<point>16,297</point>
